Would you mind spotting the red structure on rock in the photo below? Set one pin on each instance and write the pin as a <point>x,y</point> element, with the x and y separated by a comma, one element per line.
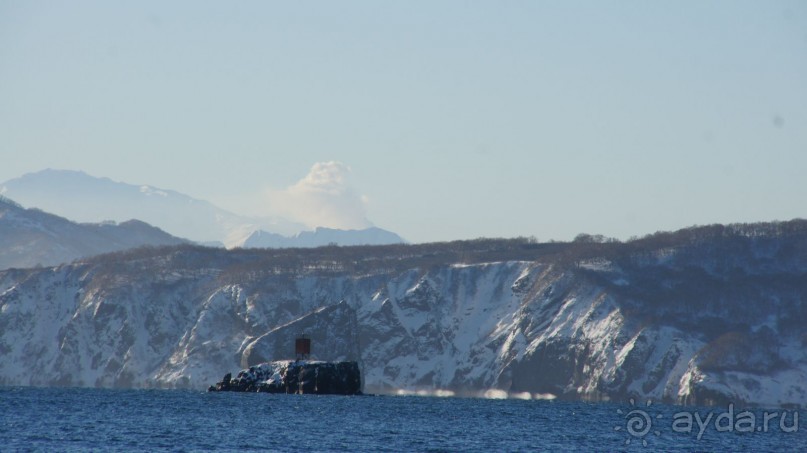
<point>301,376</point>
<point>302,347</point>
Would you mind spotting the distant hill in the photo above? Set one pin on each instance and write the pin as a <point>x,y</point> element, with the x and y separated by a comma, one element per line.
<point>322,236</point>
<point>84,198</point>
<point>30,237</point>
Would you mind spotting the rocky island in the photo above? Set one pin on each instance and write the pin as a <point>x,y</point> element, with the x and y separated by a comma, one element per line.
<point>300,376</point>
<point>295,376</point>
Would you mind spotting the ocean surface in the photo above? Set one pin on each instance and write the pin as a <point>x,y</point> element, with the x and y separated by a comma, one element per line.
<point>48,419</point>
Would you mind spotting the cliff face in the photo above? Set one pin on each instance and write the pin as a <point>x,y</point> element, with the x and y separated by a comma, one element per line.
<point>705,318</point>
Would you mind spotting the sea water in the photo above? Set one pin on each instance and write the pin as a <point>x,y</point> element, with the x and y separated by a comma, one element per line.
<point>51,419</point>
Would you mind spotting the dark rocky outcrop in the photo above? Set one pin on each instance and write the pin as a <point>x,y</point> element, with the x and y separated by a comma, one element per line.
<point>299,377</point>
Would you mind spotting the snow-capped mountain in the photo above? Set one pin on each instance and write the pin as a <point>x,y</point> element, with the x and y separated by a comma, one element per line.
<point>30,237</point>
<point>321,236</point>
<point>84,198</point>
<point>704,315</point>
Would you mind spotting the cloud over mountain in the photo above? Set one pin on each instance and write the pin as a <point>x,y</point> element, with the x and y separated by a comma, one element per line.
<point>324,197</point>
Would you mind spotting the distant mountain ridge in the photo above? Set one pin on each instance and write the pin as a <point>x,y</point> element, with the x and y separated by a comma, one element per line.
<point>85,198</point>
<point>81,197</point>
<point>322,236</point>
<point>30,237</point>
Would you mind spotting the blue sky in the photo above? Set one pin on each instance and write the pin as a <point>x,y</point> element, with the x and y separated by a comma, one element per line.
<point>448,119</point>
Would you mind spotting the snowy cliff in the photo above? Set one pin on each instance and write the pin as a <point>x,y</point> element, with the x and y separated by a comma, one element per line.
<point>705,315</point>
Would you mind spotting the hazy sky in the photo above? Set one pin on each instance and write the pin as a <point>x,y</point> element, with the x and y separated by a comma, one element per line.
<point>437,120</point>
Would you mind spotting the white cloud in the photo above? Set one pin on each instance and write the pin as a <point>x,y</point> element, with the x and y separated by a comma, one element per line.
<point>323,198</point>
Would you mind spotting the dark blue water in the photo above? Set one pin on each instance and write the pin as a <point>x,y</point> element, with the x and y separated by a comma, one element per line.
<point>169,420</point>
